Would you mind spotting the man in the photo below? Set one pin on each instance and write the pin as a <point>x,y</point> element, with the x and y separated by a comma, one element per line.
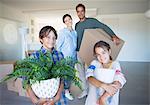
<point>88,23</point>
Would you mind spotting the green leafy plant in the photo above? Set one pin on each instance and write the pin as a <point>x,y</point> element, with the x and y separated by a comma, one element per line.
<point>33,69</point>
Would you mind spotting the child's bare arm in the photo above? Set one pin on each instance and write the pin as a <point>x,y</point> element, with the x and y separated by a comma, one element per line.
<point>103,99</point>
<point>107,87</point>
<point>33,97</point>
<point>117,84</point>
<point>58,95</point>
<point>119,78</point>
<point>95,82</point>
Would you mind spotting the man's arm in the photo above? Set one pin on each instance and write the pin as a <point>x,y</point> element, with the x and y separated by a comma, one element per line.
<point>108,30</point>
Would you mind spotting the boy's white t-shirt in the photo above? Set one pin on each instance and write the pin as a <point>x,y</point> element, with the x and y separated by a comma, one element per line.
<point>93,71</point>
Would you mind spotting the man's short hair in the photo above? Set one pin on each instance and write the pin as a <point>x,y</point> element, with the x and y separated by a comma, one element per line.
<point>80,5</point>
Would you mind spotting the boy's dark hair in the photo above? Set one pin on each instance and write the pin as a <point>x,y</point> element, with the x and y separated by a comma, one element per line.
<point>65,17</point>
<point>103,45</point>
<point>45,31</point>
<point>80,5</point>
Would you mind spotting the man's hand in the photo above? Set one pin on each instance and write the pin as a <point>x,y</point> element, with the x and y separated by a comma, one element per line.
<point>116,40</point>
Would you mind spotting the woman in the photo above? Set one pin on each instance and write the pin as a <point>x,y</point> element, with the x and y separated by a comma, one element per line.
<point>66,43</point>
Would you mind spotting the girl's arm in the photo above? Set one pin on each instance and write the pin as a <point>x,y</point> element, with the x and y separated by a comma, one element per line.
<point>96,82</point>
<point>119,79</point>
<point>107,87</point>
<point>90,77</point>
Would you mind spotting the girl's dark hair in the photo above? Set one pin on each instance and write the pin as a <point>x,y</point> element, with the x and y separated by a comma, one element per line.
<point>45,31</point>
<point>65,17</point>
<point>80,5</point>
<point>103,45</point>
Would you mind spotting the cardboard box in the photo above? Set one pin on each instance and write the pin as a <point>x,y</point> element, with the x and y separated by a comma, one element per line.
<point>90,37</point>
<point>11,85</point>
<point>20,90</point>
<point>5,69</point>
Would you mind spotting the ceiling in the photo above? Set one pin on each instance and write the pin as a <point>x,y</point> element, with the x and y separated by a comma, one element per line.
<point>102,6</point>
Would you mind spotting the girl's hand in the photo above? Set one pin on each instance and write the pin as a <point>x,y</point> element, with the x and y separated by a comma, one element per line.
<point>117,85</point>
<point>110,89</point>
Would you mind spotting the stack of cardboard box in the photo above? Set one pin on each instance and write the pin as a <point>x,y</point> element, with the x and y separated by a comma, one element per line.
<point>7,67</point>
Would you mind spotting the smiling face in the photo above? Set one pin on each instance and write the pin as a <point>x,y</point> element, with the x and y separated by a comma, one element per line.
<point>68,21</point>
<point>81,13</point>
<point>49,41</point>
<point>103,55</point>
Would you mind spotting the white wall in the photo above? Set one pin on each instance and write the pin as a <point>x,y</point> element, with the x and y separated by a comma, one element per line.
<point>10,44</point>
<point>0,8</point>
<point>149,36</point>
<point>10,39</point>
<point>149,4</point>
<point>11,14</point>
<point>133,29</point>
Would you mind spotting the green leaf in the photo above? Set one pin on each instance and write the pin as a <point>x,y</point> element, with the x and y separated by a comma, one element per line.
<point>34,70</point>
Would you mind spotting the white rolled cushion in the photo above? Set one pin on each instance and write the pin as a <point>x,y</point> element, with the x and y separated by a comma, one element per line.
<point>105,75</point>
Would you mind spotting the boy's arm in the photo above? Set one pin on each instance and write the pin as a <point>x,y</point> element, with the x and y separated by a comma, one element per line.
<point>58,95</point>
<point>33,97</point>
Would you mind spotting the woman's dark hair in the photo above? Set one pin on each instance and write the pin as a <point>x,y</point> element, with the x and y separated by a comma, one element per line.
<point>80,5</point>
<point>103,45</point>
<point>45,31</point>
<point>65,17</point>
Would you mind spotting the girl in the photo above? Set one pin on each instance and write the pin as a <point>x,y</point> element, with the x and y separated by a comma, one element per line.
<point>48,38</point>
<point>110,94</point>
<point>67,43</point>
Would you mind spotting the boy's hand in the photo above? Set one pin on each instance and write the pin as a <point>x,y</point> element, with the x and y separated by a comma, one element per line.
<point>41,101</point>
<point>49,102</point>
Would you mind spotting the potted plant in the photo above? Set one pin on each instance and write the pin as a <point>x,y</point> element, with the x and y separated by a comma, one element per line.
<point>43,73</point>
